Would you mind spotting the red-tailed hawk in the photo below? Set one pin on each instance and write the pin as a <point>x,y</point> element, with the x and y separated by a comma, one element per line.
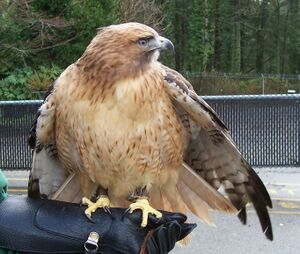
<point>119,125</point>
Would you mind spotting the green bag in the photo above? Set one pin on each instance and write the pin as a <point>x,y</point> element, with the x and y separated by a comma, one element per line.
<point>4,251</point>
<point>3,186</point>
<point>3,195</point>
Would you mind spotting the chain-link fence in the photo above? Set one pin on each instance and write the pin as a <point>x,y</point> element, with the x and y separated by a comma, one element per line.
<point>16,118</point>
<point>266,128</point>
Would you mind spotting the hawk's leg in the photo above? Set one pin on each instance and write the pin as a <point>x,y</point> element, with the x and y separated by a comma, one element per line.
<point>140,199</point>
<point>100,199</point>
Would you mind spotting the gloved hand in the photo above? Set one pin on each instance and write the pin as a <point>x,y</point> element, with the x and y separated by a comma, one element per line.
<point>163,234</point>
<point>61,227</point>
<point>166,235</point>
<point>125,235</point>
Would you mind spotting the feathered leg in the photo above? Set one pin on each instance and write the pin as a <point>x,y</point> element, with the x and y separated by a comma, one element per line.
<point>140,199</point>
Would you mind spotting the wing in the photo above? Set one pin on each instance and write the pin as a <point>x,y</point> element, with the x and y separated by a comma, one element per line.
<point>46,174</point>
<point>213,155</point>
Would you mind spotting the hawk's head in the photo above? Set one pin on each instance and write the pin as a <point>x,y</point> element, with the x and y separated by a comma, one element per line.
<point>124,49</point>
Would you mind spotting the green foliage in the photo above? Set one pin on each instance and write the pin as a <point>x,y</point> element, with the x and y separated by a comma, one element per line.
<point>26,83</point>
<point>209,36</point>
<point>52,7</point>
<point>43,32</point>
<point>42,78</point>
<point>13,87</point>
<point>236,36</point>
<point>86,17</point>
<point>200,42</point>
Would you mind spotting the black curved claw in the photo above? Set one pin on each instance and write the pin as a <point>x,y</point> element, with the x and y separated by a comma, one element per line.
<point>89,217</point>
<point>159,220</point>
<point>126,211</point>
<point>107,210</point>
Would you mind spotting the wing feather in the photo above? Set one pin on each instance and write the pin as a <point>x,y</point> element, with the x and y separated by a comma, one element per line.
<point>32,140</point>
<point>47,174</point>
<point>212,153</point>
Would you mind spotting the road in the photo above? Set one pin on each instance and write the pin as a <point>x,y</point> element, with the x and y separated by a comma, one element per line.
<point>229,236</point>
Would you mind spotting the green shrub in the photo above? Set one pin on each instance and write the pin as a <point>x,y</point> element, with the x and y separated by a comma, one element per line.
<point>41,79</point>
<point>27,84</point>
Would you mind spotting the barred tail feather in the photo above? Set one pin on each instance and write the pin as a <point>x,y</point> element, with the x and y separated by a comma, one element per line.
<point>203,192</point>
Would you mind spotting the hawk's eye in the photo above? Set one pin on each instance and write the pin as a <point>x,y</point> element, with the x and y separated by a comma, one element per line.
<point>143,42</point>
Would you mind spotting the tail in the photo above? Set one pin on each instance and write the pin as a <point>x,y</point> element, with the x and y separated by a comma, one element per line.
<point>199,196</point>
<point>70,190</point>
<point>192,194</point>
<point>49,179</point>
<point>168,199</point>
<point>74,188</point>
<point>46,175</point>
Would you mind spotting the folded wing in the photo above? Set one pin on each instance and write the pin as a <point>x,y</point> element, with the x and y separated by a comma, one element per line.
<point>48,178</point>
<point>212,154</point>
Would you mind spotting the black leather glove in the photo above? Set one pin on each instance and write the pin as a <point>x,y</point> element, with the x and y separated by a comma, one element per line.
<point>45,226</point>
<point>162,235</point>
<point>166,235</point>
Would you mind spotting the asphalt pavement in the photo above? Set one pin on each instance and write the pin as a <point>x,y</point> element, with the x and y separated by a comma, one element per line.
<point>229,236</point>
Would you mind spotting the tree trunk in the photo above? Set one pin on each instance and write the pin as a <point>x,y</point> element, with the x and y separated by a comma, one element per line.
<point>177,32</point>
<point>285,35</point>
<point>236,59</point>
<point>217,41</point>
<point>277,50</point>
<point>260,42</point>
<point>205,35</point>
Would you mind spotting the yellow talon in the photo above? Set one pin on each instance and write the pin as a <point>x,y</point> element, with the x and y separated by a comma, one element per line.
<point>102,202</point>
<point>143,204</point>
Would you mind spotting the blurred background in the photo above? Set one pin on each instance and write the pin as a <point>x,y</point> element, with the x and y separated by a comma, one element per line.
<point>223,47</point>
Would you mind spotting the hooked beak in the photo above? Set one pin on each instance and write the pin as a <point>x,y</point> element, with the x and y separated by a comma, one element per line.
<point>160,43</point>
<point>166,44</point>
